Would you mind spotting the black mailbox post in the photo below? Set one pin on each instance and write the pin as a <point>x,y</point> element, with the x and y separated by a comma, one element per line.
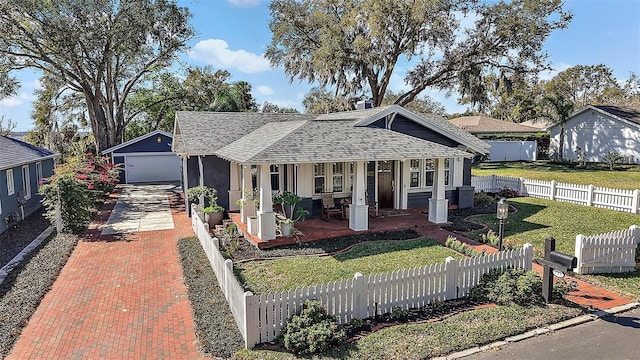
<point>554,260</point>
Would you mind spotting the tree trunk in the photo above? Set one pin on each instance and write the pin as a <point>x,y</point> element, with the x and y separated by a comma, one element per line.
<point>561,144</point>
<point>105,136</point>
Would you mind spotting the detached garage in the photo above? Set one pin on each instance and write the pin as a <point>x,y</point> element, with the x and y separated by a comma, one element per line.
<point>147,158</point>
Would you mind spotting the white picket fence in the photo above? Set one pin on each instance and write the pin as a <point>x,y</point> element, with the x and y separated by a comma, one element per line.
<point>260,318</point>
<point>612,252</point>
<point>589,195</point>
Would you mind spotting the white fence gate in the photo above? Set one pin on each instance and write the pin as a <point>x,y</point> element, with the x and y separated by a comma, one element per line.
<point>588,195</point>
<point>260,318</point>
<point>613,252</point>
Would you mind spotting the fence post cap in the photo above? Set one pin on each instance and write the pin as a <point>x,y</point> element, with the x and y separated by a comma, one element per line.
<point>527,245</point>
<point>248,294</point>
<point>357,275</point>
<point>228,261</point>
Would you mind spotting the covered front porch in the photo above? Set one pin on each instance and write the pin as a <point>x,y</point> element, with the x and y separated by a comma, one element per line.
<point>316,228</point>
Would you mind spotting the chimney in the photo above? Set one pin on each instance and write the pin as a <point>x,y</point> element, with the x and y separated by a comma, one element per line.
<point>364,104</point>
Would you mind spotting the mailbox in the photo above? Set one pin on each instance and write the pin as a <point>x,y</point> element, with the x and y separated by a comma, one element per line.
<point>567,261</point>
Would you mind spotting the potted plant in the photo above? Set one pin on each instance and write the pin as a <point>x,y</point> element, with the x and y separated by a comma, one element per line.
<point>288,201</point>
<point>212,213</point>
<point>249,203</point>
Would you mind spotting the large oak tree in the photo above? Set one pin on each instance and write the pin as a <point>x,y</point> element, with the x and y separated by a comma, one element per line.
<point>98,48</point>
<point>355,46</point>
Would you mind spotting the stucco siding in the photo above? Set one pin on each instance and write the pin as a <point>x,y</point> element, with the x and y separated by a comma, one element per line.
<point>597,134</point>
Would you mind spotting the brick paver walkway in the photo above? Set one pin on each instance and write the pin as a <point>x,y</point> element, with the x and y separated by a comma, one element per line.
<point>118,297</point>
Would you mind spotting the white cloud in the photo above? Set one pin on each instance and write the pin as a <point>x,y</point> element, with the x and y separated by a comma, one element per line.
<point>556,68</point>
<point>245,3</point>
<point>35,84</point>
<point>264,90</point>
<point>17,100</point>
<point>216,52</point>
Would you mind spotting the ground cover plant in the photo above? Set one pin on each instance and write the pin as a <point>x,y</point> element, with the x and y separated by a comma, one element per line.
<point>624,177</point>
<point>217,332</point>
<point>369,257</point>
<point>26,285</point>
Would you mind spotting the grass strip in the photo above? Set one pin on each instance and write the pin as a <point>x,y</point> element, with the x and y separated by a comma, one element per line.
<point>624,177</point>
<point>24,288</point>
<point>216,329</point>
<point>427,340</point>
<point>369,257</point>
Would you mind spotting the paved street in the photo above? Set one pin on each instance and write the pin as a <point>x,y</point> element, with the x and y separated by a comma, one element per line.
<point>612,338</point>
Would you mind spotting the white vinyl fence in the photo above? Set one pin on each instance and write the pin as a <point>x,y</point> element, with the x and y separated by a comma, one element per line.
<point>613,252</point>
<point>589,195</point>
<point>260,318</point>
<point>513,150</point>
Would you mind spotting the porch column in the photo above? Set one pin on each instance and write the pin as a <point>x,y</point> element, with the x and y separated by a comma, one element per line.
<point>185,183</point>
<point>248,207</point>
<point>234,187</point>
<point>266,216</point>
<point>438,204</point>
<point>359,210</point>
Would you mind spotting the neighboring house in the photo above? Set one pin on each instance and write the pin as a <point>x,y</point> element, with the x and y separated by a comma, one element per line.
<point>147,158</point>
<point>398,158</point>
<point>22,166</point>
<point>597,130</point>
<point>509,141</point>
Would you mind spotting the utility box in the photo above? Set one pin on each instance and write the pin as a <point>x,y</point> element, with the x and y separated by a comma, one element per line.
<point>465,196</point>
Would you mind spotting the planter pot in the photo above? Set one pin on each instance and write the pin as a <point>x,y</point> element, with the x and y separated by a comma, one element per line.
<point>214,218</point>
<point>252,225</point>
<point>286,228</point>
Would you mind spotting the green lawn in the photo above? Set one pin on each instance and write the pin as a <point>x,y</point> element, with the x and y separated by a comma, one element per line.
<point>366,258</point>
<point>537,219</point>
<point>626,177</point>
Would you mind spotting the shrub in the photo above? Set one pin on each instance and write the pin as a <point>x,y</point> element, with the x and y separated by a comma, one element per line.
<point>611,158</point>
<point>313,330</point>
<point>482,198</point>
<point>457,245</point>
<point>74,188</point>
<point>512,286</point>
<point>506,192</point>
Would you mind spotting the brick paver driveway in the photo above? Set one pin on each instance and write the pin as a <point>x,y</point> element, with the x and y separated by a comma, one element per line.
<point>120,295</point>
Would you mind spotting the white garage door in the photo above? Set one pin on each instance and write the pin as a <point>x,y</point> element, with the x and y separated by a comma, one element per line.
<point>152,168</point>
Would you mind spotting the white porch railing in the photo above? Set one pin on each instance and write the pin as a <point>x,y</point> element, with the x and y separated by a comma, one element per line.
<point>588,195</point>
<point>613,252</point>
<point>260,318</point>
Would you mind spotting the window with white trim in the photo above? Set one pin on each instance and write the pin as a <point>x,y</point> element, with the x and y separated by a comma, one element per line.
<point>274,171</point>
<point>414,173</point>
<point>422,173</point>
<point>38,174</point>
<point>10,184</point>
<point>338,177</point>
<point>319,178</point>
<point>26,182</point>
<point>429,172</point>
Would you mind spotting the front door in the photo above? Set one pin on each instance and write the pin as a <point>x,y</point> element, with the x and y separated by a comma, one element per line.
<point>385,184</point>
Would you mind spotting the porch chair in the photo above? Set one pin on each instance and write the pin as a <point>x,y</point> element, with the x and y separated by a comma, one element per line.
<point>329,207</point>
<point>373,210</point>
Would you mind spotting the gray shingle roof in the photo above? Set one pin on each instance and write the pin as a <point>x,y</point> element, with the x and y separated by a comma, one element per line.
<point>326,141</point>
<point>287,138</point>
<point>201,132</point>
<point>15,153</point>
<point>484,124</point>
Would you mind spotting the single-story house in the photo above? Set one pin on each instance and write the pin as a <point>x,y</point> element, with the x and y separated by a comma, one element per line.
<point>599,129</point>
<point>147,158</point>
<point>22,166</point>
<point>397,158</point>
<point>509,141</point>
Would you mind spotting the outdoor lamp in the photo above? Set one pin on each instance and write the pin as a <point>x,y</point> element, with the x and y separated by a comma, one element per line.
<point>502,213</point>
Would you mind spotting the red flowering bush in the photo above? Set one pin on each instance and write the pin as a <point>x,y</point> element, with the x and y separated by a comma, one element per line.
<point>74,188</point>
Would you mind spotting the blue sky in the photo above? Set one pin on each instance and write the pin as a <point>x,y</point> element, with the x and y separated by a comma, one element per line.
<point>233,35</point>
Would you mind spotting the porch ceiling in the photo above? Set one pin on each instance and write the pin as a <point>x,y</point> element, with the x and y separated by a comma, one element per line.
<point>327,141</point>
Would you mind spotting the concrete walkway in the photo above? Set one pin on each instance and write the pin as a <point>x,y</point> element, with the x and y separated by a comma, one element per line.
<point>121,295</point>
